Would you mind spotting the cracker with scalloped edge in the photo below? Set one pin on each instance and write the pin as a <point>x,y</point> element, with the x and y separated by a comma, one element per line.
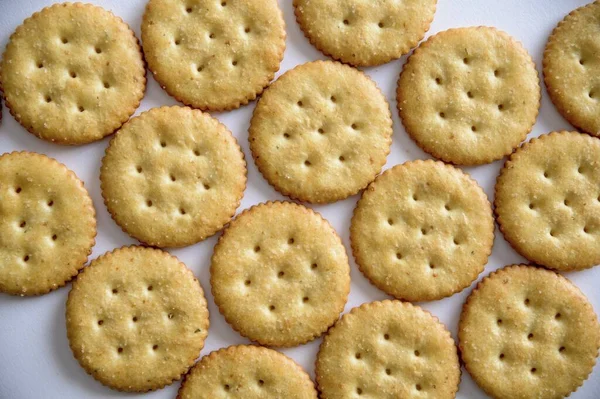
<point>321,132</point>
<point>136,318</point>
<point>213,54</point>
<point>572,68</point>
<point>388,349</point>
<point>469,96</point>
<point>547,200</point>
<point>247,372</point>
<point>279,274</point>
<point>72,73</point>
<point>173,176</point>
<point>364,33</point>
<point>422,230</point>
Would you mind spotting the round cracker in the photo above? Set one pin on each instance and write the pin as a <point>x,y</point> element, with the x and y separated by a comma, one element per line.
<point>469,96</point>
<point>247,372</point>
<point>213,55</point>
<point>173,176</point>
<point>47,224</point>
<point>136,319</point>
<point>72,73</point>
<point>280,274</point>
<point>548,200</point>
<point>572,68</point>
<point>527,332</point>
<point>321,132</point>
<point>364,33</point>
<point>388,349</point>
<point>422,230</point>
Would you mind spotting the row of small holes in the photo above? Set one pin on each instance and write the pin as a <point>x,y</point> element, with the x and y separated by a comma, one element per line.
<point>333,99</point>
<point>227,387</point>
<point>320,130</point>
<point>80,108</point>
<point>379,24</point>
<point>291,241</point>
<point>120,349</point>
<point>64,40</point>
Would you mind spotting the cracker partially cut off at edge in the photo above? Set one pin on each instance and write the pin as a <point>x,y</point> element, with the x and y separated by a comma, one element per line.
<point>321,132</point>
<point>527,332</point>
<point>572,68</point>
<point>47,224</point>
<point>547,200</point>
<point>364,33</point>
<point>247,372</point>
<point>280,274</point>
<point>388,349</point>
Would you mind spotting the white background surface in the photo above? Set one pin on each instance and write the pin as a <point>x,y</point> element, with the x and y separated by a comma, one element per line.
<point>35,360</point>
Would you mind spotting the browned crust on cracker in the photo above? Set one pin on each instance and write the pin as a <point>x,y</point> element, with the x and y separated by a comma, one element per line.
<point>38,14</point>
<point>427,43</point>
<point>243,189</point>
<point>251,97</point>
<point>499,272</point>
<point>81,262</point>
<point>375,304</point>
<point>322,200</point>
<point>371,186</point>
<point>242,348</point>
<point>507,164</point>
<point>555,98</point>
<point>282,344</point>
<point>160,384</point>
<point>361,63</point>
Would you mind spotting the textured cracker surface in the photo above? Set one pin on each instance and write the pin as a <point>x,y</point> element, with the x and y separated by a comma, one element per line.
<point>136,319</point>
<point>572,68</point>
<point>365,32</point>
<point>386,350</point>
<point>422,230</point>
<point>247,372</point>
<point>173,176</point>
<point>47,224</point>
<point>548,200</point>
<point>321,132</point>
<point>213,55</point>
<point>527,332</point>
<point>73,73</point>
<point>469,95</point>
<point>280,274</point>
